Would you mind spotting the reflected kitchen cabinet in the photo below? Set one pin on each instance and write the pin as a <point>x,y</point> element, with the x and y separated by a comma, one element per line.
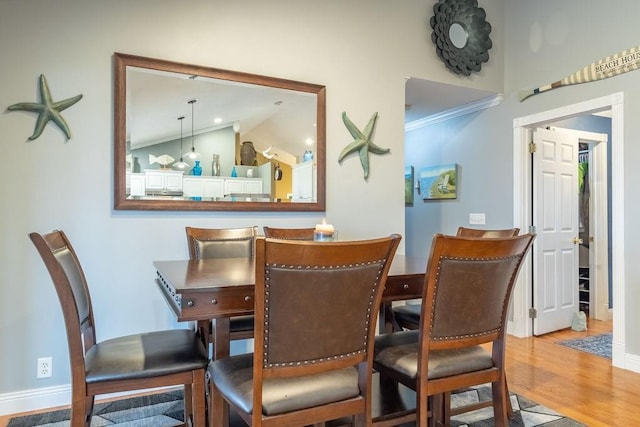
<point>201,186</point>
<point>242,186</point>
<point>165,181</point>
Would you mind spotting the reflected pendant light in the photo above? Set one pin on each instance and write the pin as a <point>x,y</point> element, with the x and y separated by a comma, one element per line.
<point>181,164</point>
<point>193,154</point>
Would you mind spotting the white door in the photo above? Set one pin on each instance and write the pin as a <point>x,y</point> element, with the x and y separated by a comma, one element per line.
<point>555,217</point>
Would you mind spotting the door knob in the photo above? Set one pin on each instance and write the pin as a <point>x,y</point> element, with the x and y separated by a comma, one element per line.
<point>577,241</point>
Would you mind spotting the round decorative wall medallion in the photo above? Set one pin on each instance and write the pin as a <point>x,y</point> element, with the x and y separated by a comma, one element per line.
<point>461,35</point>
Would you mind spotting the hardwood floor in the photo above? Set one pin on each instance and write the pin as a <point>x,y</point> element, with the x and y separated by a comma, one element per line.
<point>579,385</point>
<point>576,384</point>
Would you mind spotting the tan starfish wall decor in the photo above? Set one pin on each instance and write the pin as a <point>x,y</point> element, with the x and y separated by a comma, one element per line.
<point>47,110</point>
<point>361,142</point>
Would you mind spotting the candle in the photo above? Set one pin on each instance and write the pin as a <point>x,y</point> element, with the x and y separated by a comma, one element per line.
<point>324,231</point>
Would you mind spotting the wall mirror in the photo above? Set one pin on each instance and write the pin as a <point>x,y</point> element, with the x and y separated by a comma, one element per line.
<point>189,137</point>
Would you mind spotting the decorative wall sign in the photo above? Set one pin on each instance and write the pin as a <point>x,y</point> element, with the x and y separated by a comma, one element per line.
<point>47,110</point>
<point>361,142</point>
<point>439,182</point>
<point>461,35</point>
<point>619,63</point>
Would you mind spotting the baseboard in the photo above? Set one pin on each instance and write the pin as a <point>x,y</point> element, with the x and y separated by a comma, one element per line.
<point>53,397</point>
<point>632,362</point>
<point>35,399</point>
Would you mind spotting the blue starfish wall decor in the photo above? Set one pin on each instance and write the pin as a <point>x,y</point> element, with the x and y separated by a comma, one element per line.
<point>361,142</point>
<point>47,110</point>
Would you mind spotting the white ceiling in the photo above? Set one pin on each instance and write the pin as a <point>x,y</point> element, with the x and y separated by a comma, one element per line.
<point>265,115</point>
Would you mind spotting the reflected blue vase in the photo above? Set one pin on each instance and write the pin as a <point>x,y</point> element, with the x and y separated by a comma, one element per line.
<point>234,173</point>
<point>197,169</point>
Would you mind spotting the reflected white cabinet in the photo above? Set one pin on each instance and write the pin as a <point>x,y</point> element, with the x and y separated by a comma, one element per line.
<point>159,180</point>
<point>203,186</point>
<point>242,186</point>
<point>136,184</point>
<point>303,177</point>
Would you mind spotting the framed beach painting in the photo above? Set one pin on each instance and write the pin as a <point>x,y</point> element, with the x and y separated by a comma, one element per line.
<point>439,182</point>
<point>408,185</point>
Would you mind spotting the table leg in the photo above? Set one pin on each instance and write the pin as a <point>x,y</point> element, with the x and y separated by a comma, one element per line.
<point>385,321</point>
<point>203,328</point>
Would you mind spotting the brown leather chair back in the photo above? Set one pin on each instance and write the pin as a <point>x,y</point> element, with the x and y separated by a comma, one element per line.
<point>289,233</point>
<point>468,287</point>
<point>477,232</point>
<point>71,286</point>
<point>221,242</point>
<point>317,305</point>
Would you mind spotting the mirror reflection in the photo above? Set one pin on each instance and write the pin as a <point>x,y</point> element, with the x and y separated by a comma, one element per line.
<point>458,35</point>
<point>196,138</point>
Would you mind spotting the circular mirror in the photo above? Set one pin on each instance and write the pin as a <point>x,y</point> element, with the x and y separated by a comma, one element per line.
<point>458,35</point>
<point>461,35</point>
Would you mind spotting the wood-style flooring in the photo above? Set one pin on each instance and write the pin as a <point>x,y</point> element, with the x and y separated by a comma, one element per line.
<point>576,384</point>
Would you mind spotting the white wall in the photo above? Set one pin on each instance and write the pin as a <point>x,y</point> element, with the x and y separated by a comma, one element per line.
<point>362,50</point>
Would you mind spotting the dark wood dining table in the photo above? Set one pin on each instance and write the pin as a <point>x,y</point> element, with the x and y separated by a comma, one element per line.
<point>220,288</point>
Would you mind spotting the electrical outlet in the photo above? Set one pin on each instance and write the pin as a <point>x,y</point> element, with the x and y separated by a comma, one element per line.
<point>476,219</point>
<point>45,367</point>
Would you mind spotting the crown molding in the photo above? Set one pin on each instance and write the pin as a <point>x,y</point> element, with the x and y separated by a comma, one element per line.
<point>454,112</point>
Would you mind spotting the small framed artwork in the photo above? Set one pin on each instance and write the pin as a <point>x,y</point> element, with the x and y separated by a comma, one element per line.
<point>439,182</point>
<point>408,185</point>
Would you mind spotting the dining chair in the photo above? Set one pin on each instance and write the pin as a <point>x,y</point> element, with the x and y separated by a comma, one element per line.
<point>224,243</point>
<point>316,305</point>
<point>407,316</point>
<point>468,285</point>
<point>289,233</point>
<point>134,362</point>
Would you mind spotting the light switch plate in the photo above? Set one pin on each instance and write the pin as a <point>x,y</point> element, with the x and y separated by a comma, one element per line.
<point>476,219</point>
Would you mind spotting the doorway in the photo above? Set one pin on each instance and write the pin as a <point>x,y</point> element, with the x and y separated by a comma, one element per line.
<point>520,324</point>
<point>569,200</point>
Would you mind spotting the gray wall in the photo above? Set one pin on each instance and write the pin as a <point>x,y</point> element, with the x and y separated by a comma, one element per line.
<point>362,50</point>
<point>484,181</point>
<point>551,39</point>
<point>544,42</point>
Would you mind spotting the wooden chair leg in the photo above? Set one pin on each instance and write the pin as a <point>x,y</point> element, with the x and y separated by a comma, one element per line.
<point>198,401</point>
<point>188,401</point>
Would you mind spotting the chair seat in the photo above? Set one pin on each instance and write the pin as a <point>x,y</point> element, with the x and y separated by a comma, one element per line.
<point>145,356</point>
<point>234,378</point>
<point>407,314</point>
<point>398,351</point>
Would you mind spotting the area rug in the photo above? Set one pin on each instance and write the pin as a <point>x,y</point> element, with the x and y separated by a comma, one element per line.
<point>600,345</point>
<point>166,410</point>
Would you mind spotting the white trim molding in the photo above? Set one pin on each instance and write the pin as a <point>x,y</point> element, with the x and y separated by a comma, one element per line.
<point>454,112</point>
<point>522,213</point>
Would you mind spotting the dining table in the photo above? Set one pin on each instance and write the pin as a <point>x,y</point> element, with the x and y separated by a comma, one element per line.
<point>211,291</point>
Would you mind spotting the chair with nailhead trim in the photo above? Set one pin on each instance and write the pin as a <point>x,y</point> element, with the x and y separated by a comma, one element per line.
<point>316,305</point>
<point>174,357</point>
<point>205,243</point>
<point>289,233</point>
<point>468,284</point>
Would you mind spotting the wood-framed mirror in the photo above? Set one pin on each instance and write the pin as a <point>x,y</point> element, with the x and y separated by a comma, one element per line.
<point>259,142</point>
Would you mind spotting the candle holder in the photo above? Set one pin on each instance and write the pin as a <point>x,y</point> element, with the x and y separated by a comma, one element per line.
<point>323,236</point>
<point>324,232</point>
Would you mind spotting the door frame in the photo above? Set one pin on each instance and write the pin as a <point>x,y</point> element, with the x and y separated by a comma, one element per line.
<point>520,324</point>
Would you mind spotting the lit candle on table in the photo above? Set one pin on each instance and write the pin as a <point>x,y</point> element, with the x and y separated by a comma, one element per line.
<point>323,232</point>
